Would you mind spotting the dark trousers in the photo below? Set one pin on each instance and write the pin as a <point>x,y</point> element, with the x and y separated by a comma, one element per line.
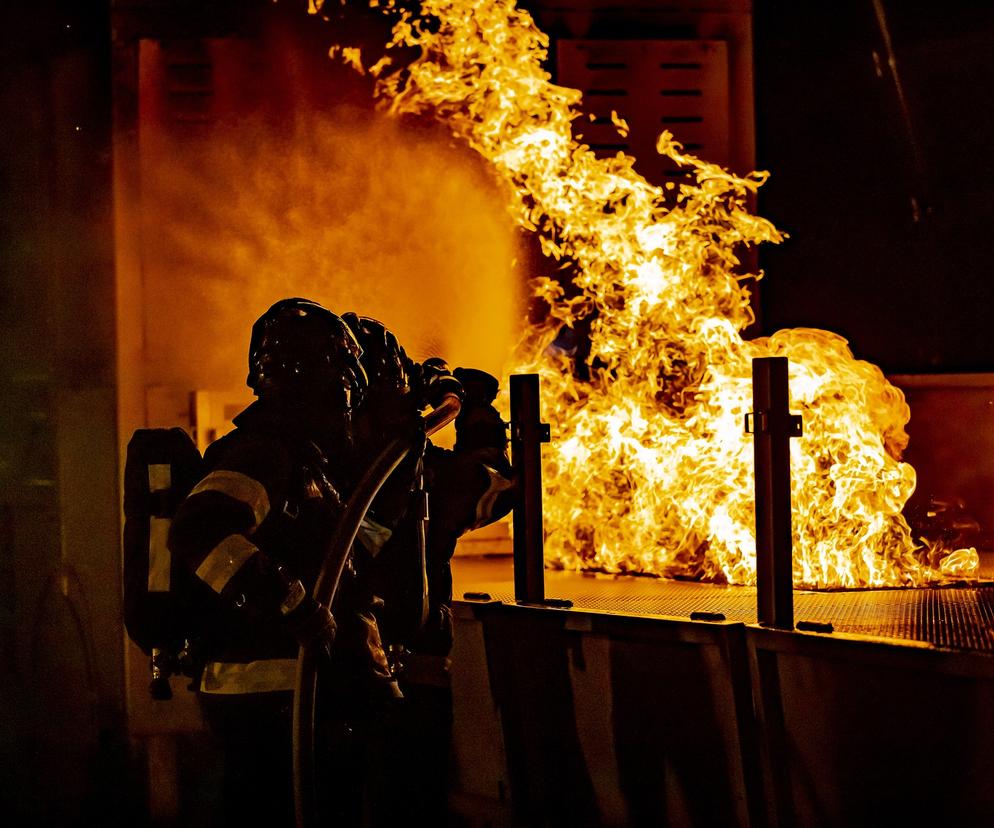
<point>381,765</point>
<point>254,735</point>
<point>408,774</point>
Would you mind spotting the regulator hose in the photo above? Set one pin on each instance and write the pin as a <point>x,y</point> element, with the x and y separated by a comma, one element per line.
<point>325,588</point>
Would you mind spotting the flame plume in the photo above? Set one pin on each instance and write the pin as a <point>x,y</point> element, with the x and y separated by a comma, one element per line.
<point>650,470</point>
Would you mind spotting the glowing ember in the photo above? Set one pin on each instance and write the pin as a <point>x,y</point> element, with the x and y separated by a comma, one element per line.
<point>649,469</point>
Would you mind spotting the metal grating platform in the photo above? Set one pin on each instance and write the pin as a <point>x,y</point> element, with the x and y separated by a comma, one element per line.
<point>954,617</point>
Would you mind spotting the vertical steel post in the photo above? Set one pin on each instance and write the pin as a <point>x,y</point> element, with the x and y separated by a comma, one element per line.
<point>773,425</point>
<point>528,433</point>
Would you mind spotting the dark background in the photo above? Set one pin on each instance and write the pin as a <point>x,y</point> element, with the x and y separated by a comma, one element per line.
<point>890,223</point>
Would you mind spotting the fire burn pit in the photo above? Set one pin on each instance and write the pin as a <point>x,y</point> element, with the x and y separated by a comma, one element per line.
<point>955,616</point>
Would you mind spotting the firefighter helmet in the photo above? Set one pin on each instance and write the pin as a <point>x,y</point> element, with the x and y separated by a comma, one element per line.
<point>299,347</point>
<point>383,358</point>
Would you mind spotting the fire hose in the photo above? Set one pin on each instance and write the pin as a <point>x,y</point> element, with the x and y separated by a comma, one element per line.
<point>325,588</point>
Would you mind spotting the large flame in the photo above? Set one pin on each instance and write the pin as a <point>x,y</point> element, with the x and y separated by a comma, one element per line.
<point>649,470</point>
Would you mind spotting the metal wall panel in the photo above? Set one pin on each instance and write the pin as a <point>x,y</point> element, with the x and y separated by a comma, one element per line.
<point>617,720</point>
<point>858,731</point>
<point>677,85</point>
<point>609,720</point>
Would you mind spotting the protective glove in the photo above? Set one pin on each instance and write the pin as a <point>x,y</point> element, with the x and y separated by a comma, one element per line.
<point>479,424</point>
<point>313,625</point>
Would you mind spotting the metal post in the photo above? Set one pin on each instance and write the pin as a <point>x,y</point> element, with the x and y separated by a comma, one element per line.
<point>773,425</point>
<point>528,433</point>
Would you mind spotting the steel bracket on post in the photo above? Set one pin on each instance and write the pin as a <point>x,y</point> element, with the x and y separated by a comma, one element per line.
<point>772,426</point>
<point>758,422</point>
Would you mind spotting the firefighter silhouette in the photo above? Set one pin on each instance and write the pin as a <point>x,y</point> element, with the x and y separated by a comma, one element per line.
<point>254,531</point>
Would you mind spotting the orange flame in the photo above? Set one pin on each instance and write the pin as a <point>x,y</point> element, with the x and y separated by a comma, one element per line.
<point>650,470</point>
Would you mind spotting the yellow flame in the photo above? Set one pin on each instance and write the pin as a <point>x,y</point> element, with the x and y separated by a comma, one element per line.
<point>650,470</point>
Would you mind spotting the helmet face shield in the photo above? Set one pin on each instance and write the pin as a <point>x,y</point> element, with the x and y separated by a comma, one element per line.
<point>303,350</point>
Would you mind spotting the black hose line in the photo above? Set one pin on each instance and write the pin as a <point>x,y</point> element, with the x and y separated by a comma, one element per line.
<point>325,588</point>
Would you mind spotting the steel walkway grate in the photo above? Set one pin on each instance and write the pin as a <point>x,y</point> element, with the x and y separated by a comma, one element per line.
<point>955,617</point>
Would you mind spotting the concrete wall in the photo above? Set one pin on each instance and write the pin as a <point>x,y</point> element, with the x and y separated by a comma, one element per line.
<point>62,689</point>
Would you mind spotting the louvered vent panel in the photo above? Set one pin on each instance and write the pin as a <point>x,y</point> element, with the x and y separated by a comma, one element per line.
<point>189,83</point>
<point>679,85</point>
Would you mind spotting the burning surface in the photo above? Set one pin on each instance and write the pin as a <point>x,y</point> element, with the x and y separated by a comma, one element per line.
<point>650,470</point>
